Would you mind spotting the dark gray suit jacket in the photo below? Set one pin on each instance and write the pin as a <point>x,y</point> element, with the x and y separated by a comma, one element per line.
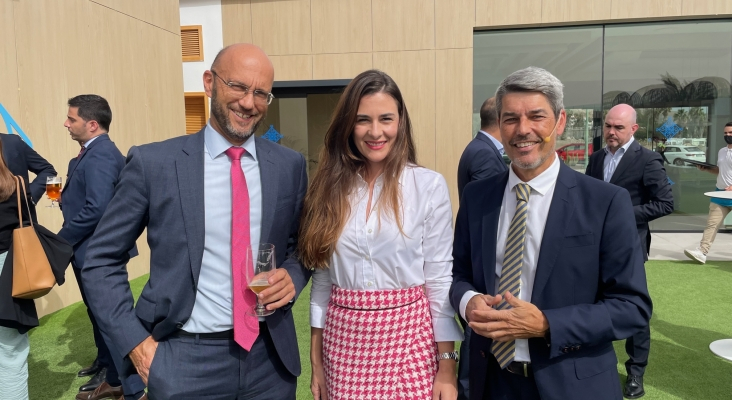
<point>481,159</point>
<point>161,190</point>
<point>21,158</point>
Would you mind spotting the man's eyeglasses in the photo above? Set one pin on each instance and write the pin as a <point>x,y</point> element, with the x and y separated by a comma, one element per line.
<point>260,96</point>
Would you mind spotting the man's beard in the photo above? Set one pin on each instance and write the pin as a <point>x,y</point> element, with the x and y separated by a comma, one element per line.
<point>539,161</point>
<point>219,113</point>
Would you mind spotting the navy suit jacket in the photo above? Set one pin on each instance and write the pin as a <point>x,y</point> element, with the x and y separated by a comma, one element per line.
<point>90,184</point>
<point>21,158</point>
<point>480,160</point>
<point>590,282</point>
<point>641,173</point>
<point>161,188</point>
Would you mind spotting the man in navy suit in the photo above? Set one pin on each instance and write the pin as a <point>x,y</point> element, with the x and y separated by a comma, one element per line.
<point>90,183</point>
<point>203,199</point>
<point>625,163</point>
<point>548,268</point>
<point>483,156</point>
<point>21,158</point>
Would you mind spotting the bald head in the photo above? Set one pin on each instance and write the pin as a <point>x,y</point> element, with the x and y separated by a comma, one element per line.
<point>620,126</point>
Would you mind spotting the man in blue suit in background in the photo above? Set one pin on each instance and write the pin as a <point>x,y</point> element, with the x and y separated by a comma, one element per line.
<point>90,184</point>
<point>548,267</point>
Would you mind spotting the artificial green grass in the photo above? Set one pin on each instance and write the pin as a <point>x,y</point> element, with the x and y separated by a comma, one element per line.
<point>692,308</point>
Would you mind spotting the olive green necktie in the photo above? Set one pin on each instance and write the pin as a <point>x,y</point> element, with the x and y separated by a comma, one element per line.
<point>513,259</point>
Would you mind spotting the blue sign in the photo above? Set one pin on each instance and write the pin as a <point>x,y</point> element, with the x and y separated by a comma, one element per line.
<point>10,124</point>
<point>272,134</point>
<point>669,128</point>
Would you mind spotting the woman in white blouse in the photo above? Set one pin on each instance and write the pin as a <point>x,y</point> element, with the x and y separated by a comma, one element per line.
<point>377,230</point>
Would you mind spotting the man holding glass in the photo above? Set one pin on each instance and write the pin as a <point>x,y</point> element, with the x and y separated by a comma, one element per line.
<point>90,182</point>
<point>205,199</point>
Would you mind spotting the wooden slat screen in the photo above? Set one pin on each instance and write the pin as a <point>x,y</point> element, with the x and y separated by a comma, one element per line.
<point>196,111</point>
<point>191,39</point>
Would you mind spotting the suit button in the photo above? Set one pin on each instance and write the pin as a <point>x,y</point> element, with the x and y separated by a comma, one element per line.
<point>179,325</point>
<point>565,350</point>
<point>482,353</point>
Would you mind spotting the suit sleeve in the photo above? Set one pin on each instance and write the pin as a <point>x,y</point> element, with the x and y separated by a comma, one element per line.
<point>39,166</point>
<point>661,200</point>
<point>623,306</point>
<point>105,268</point>
<point>100,177</point>
<point>484,165</point>
<point>462,267</point>
<point>299,274</point>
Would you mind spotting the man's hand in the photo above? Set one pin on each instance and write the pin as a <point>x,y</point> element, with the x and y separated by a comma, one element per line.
<point>142,357</point>
<point>480,302</point>
<point>522,321</point>
<point>280,291</point>
<point>728,188</point>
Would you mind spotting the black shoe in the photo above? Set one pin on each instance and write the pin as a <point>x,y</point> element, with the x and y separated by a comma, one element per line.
<point>633,387</point>
<point>95,380</point>
<point>90,370</point>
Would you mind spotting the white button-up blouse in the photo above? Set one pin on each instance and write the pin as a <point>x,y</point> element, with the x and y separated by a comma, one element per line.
<point>374,255</point>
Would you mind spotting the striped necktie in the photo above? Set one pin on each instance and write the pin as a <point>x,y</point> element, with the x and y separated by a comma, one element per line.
<point>513,259</point>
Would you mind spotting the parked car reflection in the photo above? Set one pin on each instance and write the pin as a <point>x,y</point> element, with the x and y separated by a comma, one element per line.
<point>573,153</point>
<point>676,154</point>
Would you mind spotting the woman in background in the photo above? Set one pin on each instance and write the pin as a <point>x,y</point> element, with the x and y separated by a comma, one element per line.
<point>17,316</point>
<point>377,230</point>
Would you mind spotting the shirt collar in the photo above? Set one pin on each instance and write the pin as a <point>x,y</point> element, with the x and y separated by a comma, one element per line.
<point>542,183</point>
<point>88,142</point>
<point>624,147</point>
<point>216,144</point>
<point>496,143</point>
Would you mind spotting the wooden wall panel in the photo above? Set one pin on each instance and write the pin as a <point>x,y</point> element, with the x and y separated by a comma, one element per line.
<point>281,27</point>
<point>320,111</point>
<point>454,25</point>
<point>501,13</point>
<point>403,25</point>
<point>414,73</point>
<point>236,21</point>
<point>634,9</point>
<point>706,7</point>
<point>340,66</point>
<point>454,121</point>
<point>292,68</point>
<point>8,62</point>
<point>341,26</point>
<point>575,10</point>
<point>161,13</point>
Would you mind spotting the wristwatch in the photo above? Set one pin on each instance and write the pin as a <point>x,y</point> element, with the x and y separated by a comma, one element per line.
<point>448,356</point>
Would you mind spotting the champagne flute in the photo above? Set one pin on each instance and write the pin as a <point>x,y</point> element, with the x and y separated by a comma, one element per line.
<point>264,264</point>
<point>53,189</point>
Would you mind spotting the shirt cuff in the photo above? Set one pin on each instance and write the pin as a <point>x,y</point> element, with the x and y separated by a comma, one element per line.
<point>464,302</point>
<point>446,330</point>
<point>317,316</point>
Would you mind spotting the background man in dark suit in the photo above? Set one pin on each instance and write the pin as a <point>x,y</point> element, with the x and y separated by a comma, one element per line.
<point>21,158</point>
<point>90,184</point>
<point>188,193</point>
<point>625,163</point>
<point>483,156</point>
<point>548,270</point>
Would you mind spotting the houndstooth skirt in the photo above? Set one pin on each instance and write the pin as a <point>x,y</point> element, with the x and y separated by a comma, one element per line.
<point>379,345</point>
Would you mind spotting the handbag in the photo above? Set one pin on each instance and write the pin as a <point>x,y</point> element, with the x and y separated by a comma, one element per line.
<point>32,273</point>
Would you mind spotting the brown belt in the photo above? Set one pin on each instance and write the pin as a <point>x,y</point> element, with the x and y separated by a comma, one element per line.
<point>522,368</point>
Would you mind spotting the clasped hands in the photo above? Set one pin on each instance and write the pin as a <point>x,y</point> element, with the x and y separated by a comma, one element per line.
<point>280,292</point>
<point>522,321</point>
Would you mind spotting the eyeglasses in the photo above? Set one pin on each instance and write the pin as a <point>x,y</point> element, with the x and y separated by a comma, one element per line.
<point>260,96</point>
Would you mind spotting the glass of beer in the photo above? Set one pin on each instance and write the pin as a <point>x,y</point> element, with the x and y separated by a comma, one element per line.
<point>53,189</point>
<point>264,264</point>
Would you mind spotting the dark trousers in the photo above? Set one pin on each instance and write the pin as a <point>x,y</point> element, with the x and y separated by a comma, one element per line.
<point>108,355</point>
<point>463,365</point>
<point>187,368</point>
<point>503,385</point>
<point>638,346</point>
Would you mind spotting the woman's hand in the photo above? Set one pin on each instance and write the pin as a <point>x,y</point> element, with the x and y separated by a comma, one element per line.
<point>445,386</point>
<point>317,383</point>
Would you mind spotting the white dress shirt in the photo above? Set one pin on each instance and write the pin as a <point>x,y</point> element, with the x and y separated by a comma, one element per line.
<point>495,142</point>
<point>212,308</point>
<point>540,199</point>
<point>610,164</point>
<point>374,255</point>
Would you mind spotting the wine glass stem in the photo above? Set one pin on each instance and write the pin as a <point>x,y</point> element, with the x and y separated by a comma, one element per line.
<point>260,307</point>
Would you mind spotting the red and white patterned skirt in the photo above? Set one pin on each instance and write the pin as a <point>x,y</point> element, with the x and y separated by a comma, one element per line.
<point>379,345</point>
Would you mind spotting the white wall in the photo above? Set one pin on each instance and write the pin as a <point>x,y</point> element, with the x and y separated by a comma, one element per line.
<point>206,13</point>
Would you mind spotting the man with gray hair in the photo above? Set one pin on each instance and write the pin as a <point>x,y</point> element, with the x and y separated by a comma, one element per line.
<point>546,281</point>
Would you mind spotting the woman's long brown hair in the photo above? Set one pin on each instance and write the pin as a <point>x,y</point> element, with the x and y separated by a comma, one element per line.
<point>7,182</point>
<point>327,208</point>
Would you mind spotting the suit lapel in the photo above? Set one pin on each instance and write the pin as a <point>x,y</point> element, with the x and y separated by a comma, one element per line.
<point>270,185</point>
<point>560,213</point>
<point>598,170</point>
<point>189,170</point>
<point>628,159</point>
<point>73,165</point>
<point>490,233</point>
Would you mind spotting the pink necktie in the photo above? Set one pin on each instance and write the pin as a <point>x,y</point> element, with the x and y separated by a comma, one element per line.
<point>246,327</point>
